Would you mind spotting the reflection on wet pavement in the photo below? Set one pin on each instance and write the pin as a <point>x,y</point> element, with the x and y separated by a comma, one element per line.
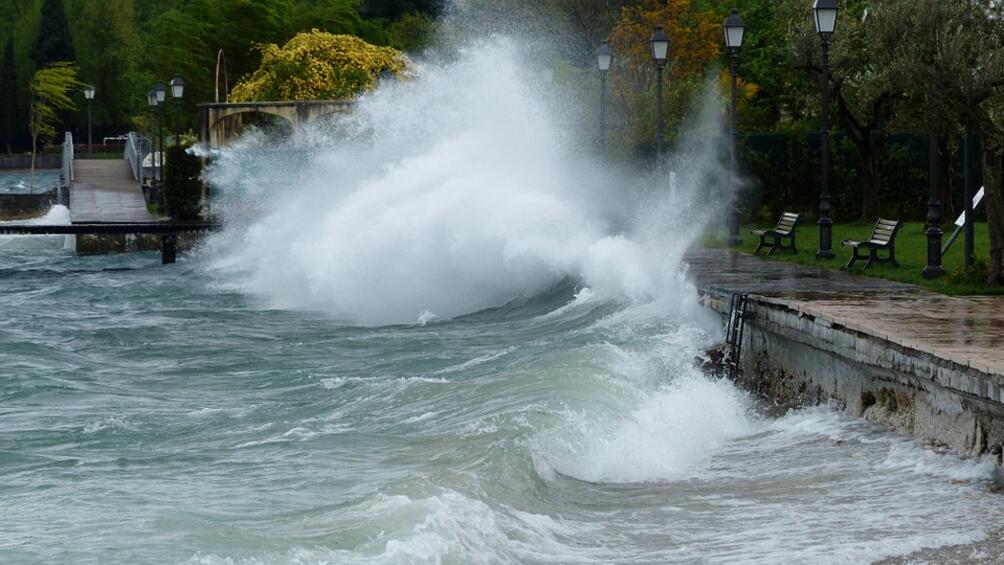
<point>967,330</point>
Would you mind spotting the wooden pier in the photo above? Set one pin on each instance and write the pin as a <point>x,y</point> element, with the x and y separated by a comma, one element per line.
<point>106,199</point>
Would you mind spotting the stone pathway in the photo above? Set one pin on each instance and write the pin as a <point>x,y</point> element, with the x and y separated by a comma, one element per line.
<point>965,330</point>
<point>104,190</point>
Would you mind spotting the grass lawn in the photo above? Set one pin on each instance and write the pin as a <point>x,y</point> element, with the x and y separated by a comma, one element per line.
<point>911,253</point>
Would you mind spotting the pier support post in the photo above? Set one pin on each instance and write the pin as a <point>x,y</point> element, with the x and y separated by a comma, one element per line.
<point>168,248</point>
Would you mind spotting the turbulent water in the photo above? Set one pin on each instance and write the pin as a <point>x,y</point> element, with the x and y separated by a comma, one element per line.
<point>20,182</point>
<point>444,335</point>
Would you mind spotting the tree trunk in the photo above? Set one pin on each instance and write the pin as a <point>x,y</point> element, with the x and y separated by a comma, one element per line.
<point>993,178</point>
<point>870,166</point>
<point>946,180</point>
<point>34,152</point>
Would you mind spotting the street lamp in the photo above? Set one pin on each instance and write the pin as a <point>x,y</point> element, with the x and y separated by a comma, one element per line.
<point>89,96</point>
<point>825,12</point>
<point>660,49</point>
<point>160,91</point>
<point>734,30</point>
<point>151,100</point>
<point>604,56</point>
<point>933,232</point>
<point>177,91</point>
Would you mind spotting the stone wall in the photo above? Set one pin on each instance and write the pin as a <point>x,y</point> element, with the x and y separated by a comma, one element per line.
<point>16,206</point>
<point>795,359</point>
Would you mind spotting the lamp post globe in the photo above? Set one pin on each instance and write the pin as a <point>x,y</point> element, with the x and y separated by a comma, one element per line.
<point>161,91</point>
<point>89,91</point>
<point>825,12</point>
<point>604,58</point>
<point>659,42</point>
<point>177,87</point>
<point>734,29</point>
<point>177,91</point>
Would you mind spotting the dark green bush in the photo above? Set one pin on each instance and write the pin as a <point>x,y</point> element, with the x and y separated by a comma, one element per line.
<point>182,187</point>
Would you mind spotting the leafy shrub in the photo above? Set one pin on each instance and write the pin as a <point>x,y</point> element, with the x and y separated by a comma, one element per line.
<point>316,65</point>
<point>978,273</point>
<point>182,187</point>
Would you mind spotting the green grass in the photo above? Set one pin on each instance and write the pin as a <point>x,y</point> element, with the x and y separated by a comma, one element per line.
<point>911,253</point>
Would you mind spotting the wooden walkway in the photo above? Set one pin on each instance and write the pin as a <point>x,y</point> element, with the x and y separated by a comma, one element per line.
<point>104,190</point>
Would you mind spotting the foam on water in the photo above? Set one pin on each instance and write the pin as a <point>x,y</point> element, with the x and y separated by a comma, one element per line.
<point>562,421</point>
<point>433,201</point>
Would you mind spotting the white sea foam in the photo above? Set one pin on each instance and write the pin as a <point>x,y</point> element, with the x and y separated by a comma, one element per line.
<point>445,200</point>
<point>667,437</point>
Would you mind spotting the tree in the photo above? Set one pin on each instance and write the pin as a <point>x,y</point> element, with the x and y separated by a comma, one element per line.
<point>108,47</point>
<point>317,65</point>
<point>8,96</point>
<point>695,37</point>
<point>182,187</point>
<point>53,40</point>
<point>50,94</point>
<point>951,54</point>
<point>860,86</point>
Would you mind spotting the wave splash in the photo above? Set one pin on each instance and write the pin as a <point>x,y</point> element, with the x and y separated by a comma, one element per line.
<point>448,193</point>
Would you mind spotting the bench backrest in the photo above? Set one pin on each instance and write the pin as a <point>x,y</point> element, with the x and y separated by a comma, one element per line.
<point>885,230</point>
<point>786,223</point>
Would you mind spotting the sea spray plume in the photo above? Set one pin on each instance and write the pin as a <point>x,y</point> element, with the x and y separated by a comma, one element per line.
<point>450,193</point>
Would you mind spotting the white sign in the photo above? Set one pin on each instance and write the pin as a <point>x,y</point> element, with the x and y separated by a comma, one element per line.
<point>976,202</point>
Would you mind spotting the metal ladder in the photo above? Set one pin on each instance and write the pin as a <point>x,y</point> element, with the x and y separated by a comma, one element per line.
<point>734,331</point>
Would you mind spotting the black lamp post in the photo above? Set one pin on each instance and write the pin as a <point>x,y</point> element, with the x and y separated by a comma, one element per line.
<point>160,91</point>
<point>734,30</point>
<point>89,96</point>
<point>604,56</point>
<point>968,191</point>
<point>151,100</point>
<point>933,269</point>
<point>660,49</point>
<point>825,12</point>
<point>177,91</point>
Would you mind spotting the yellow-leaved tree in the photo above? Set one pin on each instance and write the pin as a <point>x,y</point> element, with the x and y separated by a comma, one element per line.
<point>695,39</point>
<point>316,65</point>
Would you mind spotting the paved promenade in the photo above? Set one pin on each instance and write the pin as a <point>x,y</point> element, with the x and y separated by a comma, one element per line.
<point>104,190</point>
<point>966,330</point>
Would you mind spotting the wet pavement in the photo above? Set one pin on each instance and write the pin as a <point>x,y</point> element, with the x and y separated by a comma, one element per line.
<point>966,330</point>
<point>104,190</point>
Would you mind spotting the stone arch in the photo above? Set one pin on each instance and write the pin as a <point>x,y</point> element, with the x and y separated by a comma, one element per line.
<point>227,126</point>
<point>215,117</point>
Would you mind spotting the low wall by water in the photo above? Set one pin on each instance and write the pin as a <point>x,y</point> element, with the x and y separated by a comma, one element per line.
<point>15,205</point>
<point>21,161</point>
<point>795,358</point>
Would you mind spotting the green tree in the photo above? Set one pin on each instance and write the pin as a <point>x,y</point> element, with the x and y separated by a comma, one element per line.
<point>8,96</point>
<point>950,55</point>
<point>108,42</point>
<point>53,40</point>
<point>182,187</point>
<point>50,94</point>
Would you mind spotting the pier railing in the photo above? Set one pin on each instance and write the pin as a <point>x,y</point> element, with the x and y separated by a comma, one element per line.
<point>66,176</point>
<point>137,148</point>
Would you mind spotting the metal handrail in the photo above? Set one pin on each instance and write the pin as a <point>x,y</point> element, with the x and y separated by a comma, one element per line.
<point>66,177</point>
<point>137,148</point>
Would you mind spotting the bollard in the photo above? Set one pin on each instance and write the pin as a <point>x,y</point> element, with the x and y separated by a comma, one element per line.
<point>168,248</point>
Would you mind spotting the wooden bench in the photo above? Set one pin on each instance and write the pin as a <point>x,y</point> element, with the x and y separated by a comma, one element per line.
<point>883,237</point>
<point>785,228</point>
